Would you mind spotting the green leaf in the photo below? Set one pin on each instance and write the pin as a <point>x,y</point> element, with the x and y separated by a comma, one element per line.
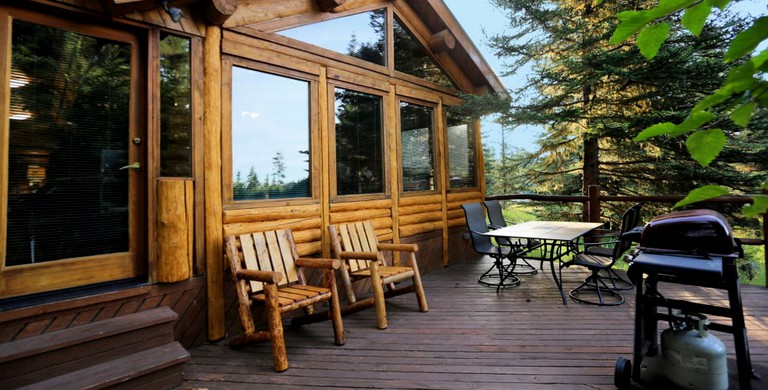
<point>740,78</point>
<point>746,41</point>
<point>651,38</point>
<point>702,193</point>
<point>667,7</point>
<point>598,2</point>
<point>712,100</point>
<point>695,18</point>
<point>760,59</point>
<point>656,130</point>
<point>765,186</point>
<point>631,22</point>
<point>719,3</point>
<point>759,206</point>
<point>743,114</point>
<point>705,145</point>
<point>693,122</point>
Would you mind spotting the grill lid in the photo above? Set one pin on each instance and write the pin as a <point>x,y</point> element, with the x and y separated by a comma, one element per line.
<point>698,232</point>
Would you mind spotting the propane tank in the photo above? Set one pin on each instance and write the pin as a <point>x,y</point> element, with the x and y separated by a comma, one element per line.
<point>692,358</point>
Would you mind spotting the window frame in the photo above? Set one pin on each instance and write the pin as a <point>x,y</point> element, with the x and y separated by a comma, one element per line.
<point>386,148</point>
<point>313,132</point>
<point>436,130</point>
<point>476,140</point>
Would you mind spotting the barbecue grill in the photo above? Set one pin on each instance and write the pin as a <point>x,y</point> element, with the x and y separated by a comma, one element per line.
<point>696,248</point>
<point>692,232</point>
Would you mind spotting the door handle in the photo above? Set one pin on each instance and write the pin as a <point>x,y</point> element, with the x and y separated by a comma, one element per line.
<point>135,166</point>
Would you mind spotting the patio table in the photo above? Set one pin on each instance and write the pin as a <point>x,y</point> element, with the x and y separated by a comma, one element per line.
<point>556,240</point>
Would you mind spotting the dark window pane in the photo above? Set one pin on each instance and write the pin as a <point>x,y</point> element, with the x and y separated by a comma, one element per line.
<point>412,58</point>
<point>417,145</point>
<point>270,136</point>
<point>361,35</point>
<point>461,152</point>
<point>69,126</point>
<point>359,146</point>
<point>175,109</point>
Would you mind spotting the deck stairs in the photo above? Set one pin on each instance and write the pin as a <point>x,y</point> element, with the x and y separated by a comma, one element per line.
<point>135,351</point>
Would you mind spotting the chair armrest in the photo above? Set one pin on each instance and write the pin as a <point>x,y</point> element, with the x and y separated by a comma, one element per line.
<point>309,262</point>
<point>359,255</point>
<point>399,247</point>
<point>259,276</point>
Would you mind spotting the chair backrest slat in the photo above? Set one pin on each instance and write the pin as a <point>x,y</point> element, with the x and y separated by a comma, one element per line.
<point>251,259</point>
<point>355,237</point>
<point>287,256</point>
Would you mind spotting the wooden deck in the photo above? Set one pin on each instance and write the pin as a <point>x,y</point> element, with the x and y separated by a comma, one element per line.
<point>472,338</point>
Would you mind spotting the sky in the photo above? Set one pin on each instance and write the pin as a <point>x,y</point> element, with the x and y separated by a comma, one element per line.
<point>479,18</point>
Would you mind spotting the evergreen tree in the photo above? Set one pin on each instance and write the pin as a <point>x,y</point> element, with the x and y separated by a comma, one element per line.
<point>593,98</point>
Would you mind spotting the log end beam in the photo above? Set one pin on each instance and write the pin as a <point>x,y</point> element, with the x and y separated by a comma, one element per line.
<point>329,5</point>
<point>442,41</point>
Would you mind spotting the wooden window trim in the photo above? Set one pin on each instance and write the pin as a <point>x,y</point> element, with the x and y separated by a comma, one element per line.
<point>315,146</point>
<point>435,145</point>
<point>384,95</point>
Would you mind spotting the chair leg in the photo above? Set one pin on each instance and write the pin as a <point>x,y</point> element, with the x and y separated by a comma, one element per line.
<point>418,287</point>
<point>378,296</point>
<point>338,325</point>
<point>617,282</point>
<point>594,284</point>
<point>275,323</point>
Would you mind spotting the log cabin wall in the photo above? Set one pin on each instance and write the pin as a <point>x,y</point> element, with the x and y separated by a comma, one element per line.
<point>197,282</point>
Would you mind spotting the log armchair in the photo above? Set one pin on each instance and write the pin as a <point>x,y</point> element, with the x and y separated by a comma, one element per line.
<point>267,269</point>
<point>358,247</point>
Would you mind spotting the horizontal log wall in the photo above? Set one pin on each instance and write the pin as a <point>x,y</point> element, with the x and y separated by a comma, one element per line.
<point>378,211</point>
<point>454,212</point>
<point>420,214</point>
<point>305,222</point>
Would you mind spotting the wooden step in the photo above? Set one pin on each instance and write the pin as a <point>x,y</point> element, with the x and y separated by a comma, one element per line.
<point>49,355</point>
<point>155,368</point>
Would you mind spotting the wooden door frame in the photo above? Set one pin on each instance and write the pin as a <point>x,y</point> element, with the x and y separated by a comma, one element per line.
<point>81,271</point>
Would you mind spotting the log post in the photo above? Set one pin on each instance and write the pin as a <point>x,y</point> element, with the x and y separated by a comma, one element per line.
<point>593,211</point>
<point>330,5</point>
<point>442,41</point>
<point>175,226</point>
<point>212,183</point>
<point>765,241</point>
<point>216,12</point>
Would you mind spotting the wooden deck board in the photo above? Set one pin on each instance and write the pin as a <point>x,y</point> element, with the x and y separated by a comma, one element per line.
<point>472,337</point>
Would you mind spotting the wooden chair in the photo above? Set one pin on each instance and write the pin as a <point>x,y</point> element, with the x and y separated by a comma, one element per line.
<point>356,244</point>
<point>259,263</point>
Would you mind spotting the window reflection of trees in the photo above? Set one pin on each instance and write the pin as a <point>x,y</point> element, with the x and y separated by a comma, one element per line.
<point>359,146</point>
<point>66,196</point>
<point>417,147</point>
<point>175,106</point>
<point>461,150</point>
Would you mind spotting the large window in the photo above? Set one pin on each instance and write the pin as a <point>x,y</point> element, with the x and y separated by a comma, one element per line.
<point>270,136</point>
<point>175,108</point>
<point>361,35</point>
<point>461,152</point>
<point>359,143</point>
<point>417,147</point>
<point>412,58</point>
